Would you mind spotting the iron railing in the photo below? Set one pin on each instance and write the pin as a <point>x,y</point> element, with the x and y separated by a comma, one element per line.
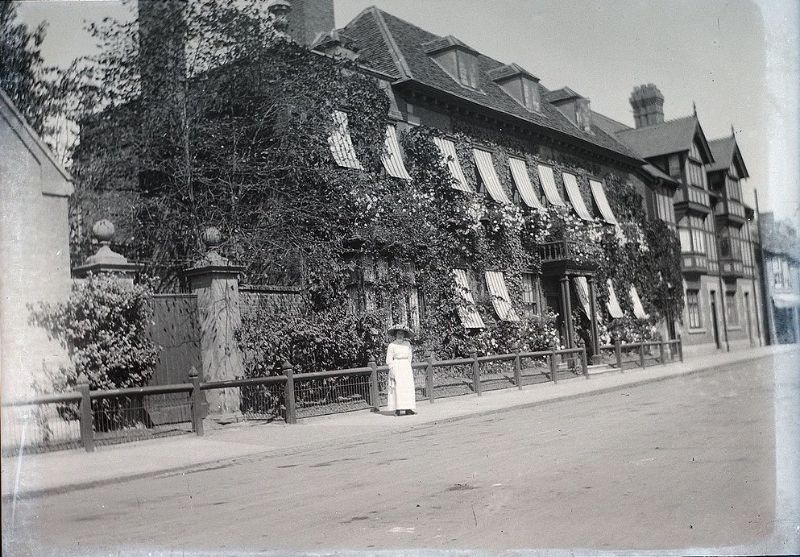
<point>86,418</point>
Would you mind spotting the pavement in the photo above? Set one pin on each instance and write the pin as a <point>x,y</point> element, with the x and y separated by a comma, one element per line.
<point>26,476</point>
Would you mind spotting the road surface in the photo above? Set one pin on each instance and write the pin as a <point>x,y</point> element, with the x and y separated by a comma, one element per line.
<point>686,462</point>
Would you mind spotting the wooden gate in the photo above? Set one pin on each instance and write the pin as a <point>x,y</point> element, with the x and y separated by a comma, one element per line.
<point>175,328</point>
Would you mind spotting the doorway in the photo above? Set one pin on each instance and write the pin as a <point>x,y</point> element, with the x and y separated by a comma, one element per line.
<point>749,322</point>
<point>713,295</point>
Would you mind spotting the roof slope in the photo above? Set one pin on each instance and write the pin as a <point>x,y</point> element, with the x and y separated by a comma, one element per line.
<point>726,153</point>
<point>661,139</point>
<point>381,37</point>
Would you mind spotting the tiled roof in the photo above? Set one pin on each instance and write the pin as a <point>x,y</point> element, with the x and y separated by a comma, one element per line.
<point>398,49</point>
<point>726,152</point>
<point>722,149</point>
<point>672,136</point>
<point>656,173</point>
<point>561,95</point>
<point>608,125</point>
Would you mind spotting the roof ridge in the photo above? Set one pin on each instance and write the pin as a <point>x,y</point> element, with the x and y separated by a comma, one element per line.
<point>391,44</point>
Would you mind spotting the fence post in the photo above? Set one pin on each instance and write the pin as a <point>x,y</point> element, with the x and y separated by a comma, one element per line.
<point>197,402</point>
<point>618,354</point>
<point>680,347</point>
<point>517,368</point>
<point>476,373</point>
<point>553,366</point>
<point>584,363</point>
<point>87,416</point>
<point>288,394</point>
<point>641,354</point>
<point>662,353</point>
<point>373,385</point>
<point>429,378</point>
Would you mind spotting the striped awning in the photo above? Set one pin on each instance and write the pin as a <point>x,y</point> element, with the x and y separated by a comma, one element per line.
<point>483,160</point>
<point>582,287</point>
<point>391,157</point>
<point>613,304</point>
<point>341,145</point>
<point>448,151</point>
<point>469,315</point>
<point>638,308</point>
<point>575,197</point>
<point>500,298</point>
<point>519,171</point>
<point>599,195</point>
<point>548,182</point>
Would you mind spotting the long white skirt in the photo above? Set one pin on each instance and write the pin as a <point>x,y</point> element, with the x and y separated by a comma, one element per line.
<point>400,387</point>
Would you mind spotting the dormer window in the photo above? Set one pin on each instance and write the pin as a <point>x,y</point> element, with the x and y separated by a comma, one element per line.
<point>457,59</point>
<point>519,84</point>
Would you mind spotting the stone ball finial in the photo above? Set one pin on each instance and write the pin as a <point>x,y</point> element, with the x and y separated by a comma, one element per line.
<point>279,11</point>
<point>103,230</point>
<point>212,237</point>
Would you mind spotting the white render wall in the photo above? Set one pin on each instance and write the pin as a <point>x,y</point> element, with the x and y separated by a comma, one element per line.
<point>34,250</point>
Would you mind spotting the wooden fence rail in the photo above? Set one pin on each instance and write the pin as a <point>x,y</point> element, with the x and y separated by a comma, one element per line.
<point>286,382</point>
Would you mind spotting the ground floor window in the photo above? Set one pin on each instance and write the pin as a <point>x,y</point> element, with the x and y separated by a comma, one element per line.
<point>530,294</point>
<point>693,308</point>
<point>731,309</point>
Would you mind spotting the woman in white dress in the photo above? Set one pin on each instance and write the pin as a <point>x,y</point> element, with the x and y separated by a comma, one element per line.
<point>400,387</point>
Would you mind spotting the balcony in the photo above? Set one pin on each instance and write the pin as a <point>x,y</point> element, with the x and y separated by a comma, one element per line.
<point>694,263</point>
<point>692,199</point>
<point>730,266</point>
<point>567,255</point>
<point>731,210</point>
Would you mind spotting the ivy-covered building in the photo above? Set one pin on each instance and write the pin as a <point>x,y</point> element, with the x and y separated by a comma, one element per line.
<point>514,142</point>
<point>415,179</point>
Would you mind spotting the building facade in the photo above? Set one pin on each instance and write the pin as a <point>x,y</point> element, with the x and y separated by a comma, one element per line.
<point>781,280</point>
<point>723,306</point>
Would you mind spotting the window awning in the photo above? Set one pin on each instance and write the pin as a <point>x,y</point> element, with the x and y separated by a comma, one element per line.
<point>638,308</point>
<point>575,197</point>
<point>500,298</point>
<point>613,304</point>
<point>602,203</point>
<point>582,288</point>
<point>341,144</point>
<point>448,151</point>
<point>469,315</point>
<point>483,159</point>
<point>391,157</point>
<point>519,171</point>
<point>548,182</point>
<point>787,300</point>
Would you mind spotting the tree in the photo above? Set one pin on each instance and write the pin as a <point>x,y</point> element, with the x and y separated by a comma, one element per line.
<point>23,74</point>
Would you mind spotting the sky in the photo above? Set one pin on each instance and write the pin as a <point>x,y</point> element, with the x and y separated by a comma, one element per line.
<point>737,61</point>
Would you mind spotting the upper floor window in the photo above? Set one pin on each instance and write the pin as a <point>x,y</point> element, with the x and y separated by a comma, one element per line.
<point>695,175</point>
<point>733,188</point>
<point>665,210</point>
<point>692,234</point>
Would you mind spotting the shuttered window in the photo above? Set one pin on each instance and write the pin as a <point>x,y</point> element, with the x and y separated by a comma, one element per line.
<point>548,182</point>
<point>575,197</point>
<point>519,171</point>
<point>483,160</point>
<point>500,298</point>
<point>530,294</point>
<point>468,313</point>
<point>601,201</point>
<point>341,144</point>
<point>391,157</point>
<point>448,151</point>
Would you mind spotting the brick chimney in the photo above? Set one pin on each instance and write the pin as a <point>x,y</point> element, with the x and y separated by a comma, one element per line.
<point>648,105</point>
<point>310,19</point>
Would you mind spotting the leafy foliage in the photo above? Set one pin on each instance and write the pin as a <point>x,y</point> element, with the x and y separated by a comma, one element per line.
<point>103,325</point>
